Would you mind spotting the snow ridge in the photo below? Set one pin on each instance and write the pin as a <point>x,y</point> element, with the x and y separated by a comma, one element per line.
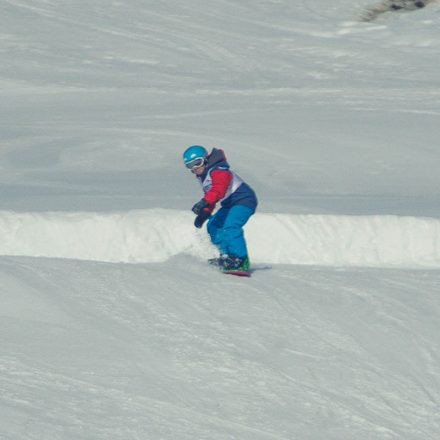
<point>155,235</point>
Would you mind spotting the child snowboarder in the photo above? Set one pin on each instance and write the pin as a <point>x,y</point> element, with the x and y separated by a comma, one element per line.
<point>238,203</point>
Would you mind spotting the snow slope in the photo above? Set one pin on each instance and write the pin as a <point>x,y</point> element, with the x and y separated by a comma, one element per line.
<point>98,99</point>
<point>332,120</point>
<point>94,350</point>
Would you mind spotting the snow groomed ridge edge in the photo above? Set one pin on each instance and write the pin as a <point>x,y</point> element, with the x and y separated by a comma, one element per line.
<point>155,235</point>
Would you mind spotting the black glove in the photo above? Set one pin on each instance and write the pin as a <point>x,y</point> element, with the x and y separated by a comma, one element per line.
<point>199,207</point>
<point>201,218</point>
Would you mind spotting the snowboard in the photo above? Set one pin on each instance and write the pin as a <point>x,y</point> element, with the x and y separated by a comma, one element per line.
<point>238,273</point>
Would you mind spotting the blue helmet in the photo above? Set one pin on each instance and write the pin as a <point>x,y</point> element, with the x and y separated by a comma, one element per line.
<point>194,152</point>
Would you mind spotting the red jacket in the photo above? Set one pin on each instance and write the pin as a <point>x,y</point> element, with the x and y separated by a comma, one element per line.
<point>220,183</point>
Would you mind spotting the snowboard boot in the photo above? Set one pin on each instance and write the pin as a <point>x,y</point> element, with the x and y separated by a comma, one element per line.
<point>233,263</point>
<point>218,262</point>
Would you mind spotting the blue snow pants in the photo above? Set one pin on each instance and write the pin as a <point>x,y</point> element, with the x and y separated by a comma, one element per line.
<point>225,228</point>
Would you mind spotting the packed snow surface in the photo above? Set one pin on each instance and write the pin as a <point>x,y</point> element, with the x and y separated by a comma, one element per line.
<point>122,331</point>
<point>163,351</point>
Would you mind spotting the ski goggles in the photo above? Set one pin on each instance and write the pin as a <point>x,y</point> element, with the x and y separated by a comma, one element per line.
<point>196,163</point>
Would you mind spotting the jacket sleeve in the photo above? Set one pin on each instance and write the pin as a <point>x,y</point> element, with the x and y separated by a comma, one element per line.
<point>220,183</point>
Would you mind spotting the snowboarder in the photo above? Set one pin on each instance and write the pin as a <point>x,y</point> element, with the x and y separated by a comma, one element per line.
<point>238,203</point>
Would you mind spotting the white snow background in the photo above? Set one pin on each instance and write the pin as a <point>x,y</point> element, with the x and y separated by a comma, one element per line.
<point>122,331</point>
